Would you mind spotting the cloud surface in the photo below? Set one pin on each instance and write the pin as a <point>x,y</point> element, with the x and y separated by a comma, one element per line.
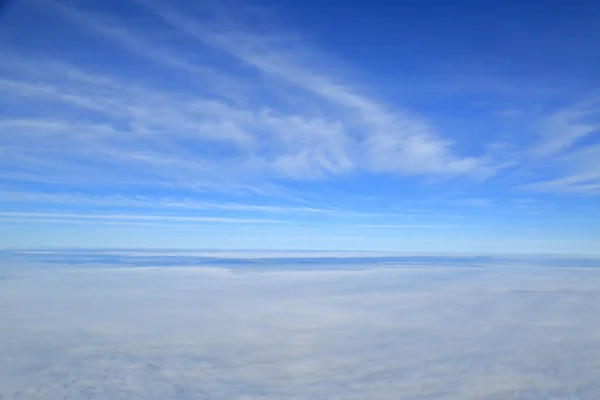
<point>434,331</point>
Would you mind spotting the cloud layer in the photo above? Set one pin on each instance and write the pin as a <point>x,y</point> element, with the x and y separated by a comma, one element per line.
<point>423,333</point>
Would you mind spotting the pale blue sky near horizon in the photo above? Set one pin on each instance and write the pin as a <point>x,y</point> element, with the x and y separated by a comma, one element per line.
<point>427,126</point>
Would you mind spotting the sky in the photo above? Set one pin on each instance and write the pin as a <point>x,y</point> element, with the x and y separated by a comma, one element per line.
<point>415,126</point>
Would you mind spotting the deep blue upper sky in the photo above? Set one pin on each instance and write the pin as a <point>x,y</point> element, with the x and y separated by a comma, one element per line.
<point>410,125</point>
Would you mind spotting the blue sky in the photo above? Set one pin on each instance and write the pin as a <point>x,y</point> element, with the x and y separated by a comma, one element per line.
<point>418,126</point>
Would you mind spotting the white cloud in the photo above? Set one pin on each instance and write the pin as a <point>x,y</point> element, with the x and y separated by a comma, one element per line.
<point>181,203</point>
<point>564,156</point>
<point>112,128</point>
<point>419,333</point>
<point>563,128</point>
<point>577,167</point>
<point>184,120</point>
<point>579,183</point>
<point>36,216</point>
<point>391,141</point>
<point>405,226</point>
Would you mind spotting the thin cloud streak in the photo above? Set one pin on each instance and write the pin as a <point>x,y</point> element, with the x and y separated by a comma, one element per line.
<point>562,129</point>
<point>409,226</point>
<point>137,217</point>
<point>122,201</point>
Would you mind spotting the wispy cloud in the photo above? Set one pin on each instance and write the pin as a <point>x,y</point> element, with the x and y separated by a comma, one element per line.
<point>152,46</point>
<point>581,174</point>
<point>565,127</point>
<point>408,226</point>
<point>184,203</point>
<point>132,217</point>
<point>570,144</point>
<point>98,126</point>
<point>390,141</point>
